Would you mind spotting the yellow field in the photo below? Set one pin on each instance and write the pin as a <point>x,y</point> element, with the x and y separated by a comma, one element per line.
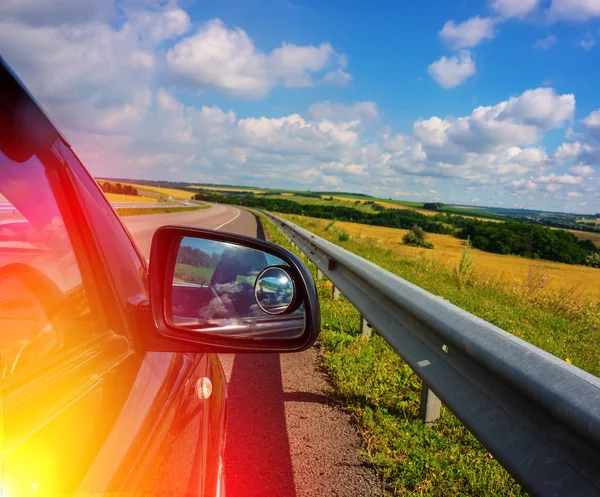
<point>226,189</point>
<point>587,235</point>
<point>171,192</point>
<point>581,280</point>
<point>119,197</point>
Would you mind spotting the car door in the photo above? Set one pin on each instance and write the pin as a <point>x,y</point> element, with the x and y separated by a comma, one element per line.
<point>84,411</point>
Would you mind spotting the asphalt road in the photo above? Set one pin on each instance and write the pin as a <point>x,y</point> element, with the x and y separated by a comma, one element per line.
<point>285,438</point>
<point>219,217</point>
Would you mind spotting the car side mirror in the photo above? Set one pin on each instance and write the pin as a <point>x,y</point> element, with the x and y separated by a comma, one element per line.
<point>230,293</point>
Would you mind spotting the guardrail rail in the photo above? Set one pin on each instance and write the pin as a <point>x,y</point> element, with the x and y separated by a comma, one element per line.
<point>536,414</point>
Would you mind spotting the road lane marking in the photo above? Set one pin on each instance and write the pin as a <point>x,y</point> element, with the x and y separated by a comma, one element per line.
<point>231,220</point>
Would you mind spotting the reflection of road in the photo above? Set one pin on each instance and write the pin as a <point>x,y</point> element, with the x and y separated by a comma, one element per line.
<point>282,440</point>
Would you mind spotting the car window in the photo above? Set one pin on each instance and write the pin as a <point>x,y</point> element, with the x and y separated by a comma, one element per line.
<point>127,270</point>
<point>44,307</point>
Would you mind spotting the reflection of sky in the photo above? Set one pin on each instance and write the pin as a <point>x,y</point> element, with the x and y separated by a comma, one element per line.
<point>214,247</point>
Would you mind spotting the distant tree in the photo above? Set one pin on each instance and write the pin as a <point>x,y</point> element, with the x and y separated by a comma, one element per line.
<point>433,206</point>
<point>118,188</point>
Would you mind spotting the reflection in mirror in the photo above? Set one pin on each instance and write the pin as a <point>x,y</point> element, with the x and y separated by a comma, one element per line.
<point>274,290</point>
<point>216,285</point>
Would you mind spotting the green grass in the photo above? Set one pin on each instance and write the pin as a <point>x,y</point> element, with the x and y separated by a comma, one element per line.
<point>382,394</point>
<point>157,210</point>
<point>193,274</point>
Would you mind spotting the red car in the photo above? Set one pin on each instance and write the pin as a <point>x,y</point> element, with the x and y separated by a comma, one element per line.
<point>110,380</point>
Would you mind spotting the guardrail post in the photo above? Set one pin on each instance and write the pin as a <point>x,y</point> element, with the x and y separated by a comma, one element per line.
<point>430,405</point>
<point>365,327</point>
<point>336,293</point>
<point>319,274</point>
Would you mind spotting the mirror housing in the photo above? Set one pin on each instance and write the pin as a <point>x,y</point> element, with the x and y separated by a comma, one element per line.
<point>214,335</point>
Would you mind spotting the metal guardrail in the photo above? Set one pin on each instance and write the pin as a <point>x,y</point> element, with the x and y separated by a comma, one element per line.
<point>536,414</point>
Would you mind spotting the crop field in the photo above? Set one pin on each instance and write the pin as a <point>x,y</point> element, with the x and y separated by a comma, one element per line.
<point>578,281</point>
<point>229,189</point>
<point>587,235</point>
<point>134,199</point>
<point>170,192</point>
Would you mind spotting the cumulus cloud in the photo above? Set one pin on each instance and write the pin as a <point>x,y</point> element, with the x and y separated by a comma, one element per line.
<point>567,152</point>
<point>545,43</point>
<point>450,72</point>
<point>343,112</point>
<point>574,10</point>
<point>518,121</point>
<point>582,170</point>
<point>467,34</point>
<point>592,124</point>
<point>227,58</point>
<point>63,12</point>
<point>102,84</point>
<point>564,179</point>
<point>513,8</point>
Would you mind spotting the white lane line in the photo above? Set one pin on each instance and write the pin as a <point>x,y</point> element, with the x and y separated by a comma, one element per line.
<point>231,220</point>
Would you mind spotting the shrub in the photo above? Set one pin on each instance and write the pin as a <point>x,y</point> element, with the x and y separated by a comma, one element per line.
<point>343,237</point>
<point>416,237</point>
<point>593,260</point>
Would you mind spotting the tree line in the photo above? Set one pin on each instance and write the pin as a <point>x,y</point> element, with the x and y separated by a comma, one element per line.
<point>118,188</point>
<point>510,237</point>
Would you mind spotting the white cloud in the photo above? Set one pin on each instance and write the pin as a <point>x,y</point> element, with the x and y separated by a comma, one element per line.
<point>574,10</point>
<point>527,185</point>
<point>545,43</point>
<point>450,72</point>
<point>343,112</point>
<point>95,63</point>
<point>101,83</point>
<point>573,195</point>
<point>540,107</point>
<point>582,170</point>
<point>159,26</point>
<point>592,124</point>
<point>564,179</point>
<point>469,33</point>
<point>216,56</point>
<point>52,13</point>
<point>513,8</point>
<point>518,121</point>
<point>338,77</point>
<point>587,43</point>
<point>567,152</point>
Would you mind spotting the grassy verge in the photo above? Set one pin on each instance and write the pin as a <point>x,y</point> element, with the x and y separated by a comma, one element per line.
<point>382,394</point>
<point>157,210</point>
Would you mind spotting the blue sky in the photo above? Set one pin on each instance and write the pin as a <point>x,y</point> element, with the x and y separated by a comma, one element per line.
<point>489,102</point>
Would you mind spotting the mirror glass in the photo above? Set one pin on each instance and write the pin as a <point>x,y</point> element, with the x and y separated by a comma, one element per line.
<point>225,288</point>
<point>274,290</point>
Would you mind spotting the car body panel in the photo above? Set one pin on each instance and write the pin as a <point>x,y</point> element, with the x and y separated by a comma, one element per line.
<point>98,416</point>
